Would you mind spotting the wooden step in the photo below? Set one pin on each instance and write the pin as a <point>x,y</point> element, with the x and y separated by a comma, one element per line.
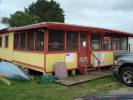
<point>80,79</point>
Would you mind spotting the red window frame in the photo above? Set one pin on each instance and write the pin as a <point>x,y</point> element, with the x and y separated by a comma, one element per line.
<point>27,42</point>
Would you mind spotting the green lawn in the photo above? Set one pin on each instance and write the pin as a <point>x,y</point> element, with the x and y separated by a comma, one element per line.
<point>34,90</point>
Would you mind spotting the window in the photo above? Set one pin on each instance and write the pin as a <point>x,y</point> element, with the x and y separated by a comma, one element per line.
<point>107,43</point>
<point>22,40</point>
<point>0,41</point>
<point>83,40</point>
<point>30,40</point>
<point>56,40</point>
<point>6,41</point>
<point>114,43</point>
<point>96,41</point>
<point>16,40</point>
<point>124,43</point>
<point>39,40</point>
<point>119,43</point>
<point>72,40</point>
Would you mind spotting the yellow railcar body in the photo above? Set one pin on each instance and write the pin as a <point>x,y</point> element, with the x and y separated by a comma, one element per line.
<point>45,63</point>
<point>6,53</point>
<point>106,58</point>
<point>51,59</point>
<point>35,60</point>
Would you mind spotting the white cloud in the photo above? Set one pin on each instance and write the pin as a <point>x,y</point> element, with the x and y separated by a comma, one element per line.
<point>113,14</point>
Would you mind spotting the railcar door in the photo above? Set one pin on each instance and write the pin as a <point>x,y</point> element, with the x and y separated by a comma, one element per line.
<point>83,52</point>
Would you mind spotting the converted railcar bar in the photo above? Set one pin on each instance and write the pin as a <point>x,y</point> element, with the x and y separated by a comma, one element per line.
<point>101,39</point>
<point>40,46</point>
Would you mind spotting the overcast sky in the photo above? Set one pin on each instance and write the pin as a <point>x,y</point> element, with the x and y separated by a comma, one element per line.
<point>112,14</point>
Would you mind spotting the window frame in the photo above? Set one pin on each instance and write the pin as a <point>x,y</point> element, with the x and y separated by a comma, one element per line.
<point>26,41</point>
<point>77,41</point>
<point>21,43</point>
<point>64,41</point>
<point>83,45</point>
<point>36,38</point>
<point>6,42</point>
<point>103,42</point>
<point>118,43</point>
<point>14,42</point>
<point>100,39</point>
<point>1,41</point>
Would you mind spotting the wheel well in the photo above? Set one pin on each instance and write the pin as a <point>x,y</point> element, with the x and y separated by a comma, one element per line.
<point>125,65</point>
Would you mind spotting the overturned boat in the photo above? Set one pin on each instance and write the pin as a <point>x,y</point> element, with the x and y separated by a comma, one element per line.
<point>12,71</point>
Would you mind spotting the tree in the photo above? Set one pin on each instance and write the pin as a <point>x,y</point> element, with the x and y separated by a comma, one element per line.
<point>41,11</point>
<point>46,11</point>
<point>19,19</point>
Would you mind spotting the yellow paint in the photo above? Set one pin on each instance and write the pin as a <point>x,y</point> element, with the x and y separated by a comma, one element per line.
<point>36,59</point>
<point>51,59</point>
<point>73,63</point>
<point>6,53</point>
<point>107,58</point>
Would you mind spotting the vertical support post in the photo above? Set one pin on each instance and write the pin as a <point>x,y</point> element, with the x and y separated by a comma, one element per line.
<point>78,51</point>
<point>34,41</point>
<point>19,41</point>
<point>45,48</point>
<point>46,42</point>
<point>78,47</point>
<point>111,42</point>
<point>128,44</point>
<point>129,47</point>
<point>78,40</point>
<point>89,46</point>
<point>65,41</point>
<point>102,41</point>
<point>26,44</point>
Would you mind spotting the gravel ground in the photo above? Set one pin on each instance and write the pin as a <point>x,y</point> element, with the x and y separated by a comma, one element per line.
<point>119,94</point>
<point>124,90</point>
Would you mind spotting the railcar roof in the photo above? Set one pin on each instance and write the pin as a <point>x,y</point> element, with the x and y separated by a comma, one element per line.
<point>63,26</point>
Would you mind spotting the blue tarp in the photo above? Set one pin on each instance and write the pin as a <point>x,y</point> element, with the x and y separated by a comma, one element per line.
<point>12,71</point>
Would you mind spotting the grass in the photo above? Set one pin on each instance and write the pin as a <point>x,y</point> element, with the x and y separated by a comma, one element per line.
<point>34,90</point>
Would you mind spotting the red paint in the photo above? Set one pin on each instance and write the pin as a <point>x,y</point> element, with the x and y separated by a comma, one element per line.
<point>107,39</point>
<point>89,45</point>
<point>65,41</point>
<point>34,48</point>
<point>26,45</point>
<point>19,41</point>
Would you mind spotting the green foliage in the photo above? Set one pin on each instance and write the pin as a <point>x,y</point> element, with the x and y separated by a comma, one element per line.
<point>19,19</point>
<point>41,11</point>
